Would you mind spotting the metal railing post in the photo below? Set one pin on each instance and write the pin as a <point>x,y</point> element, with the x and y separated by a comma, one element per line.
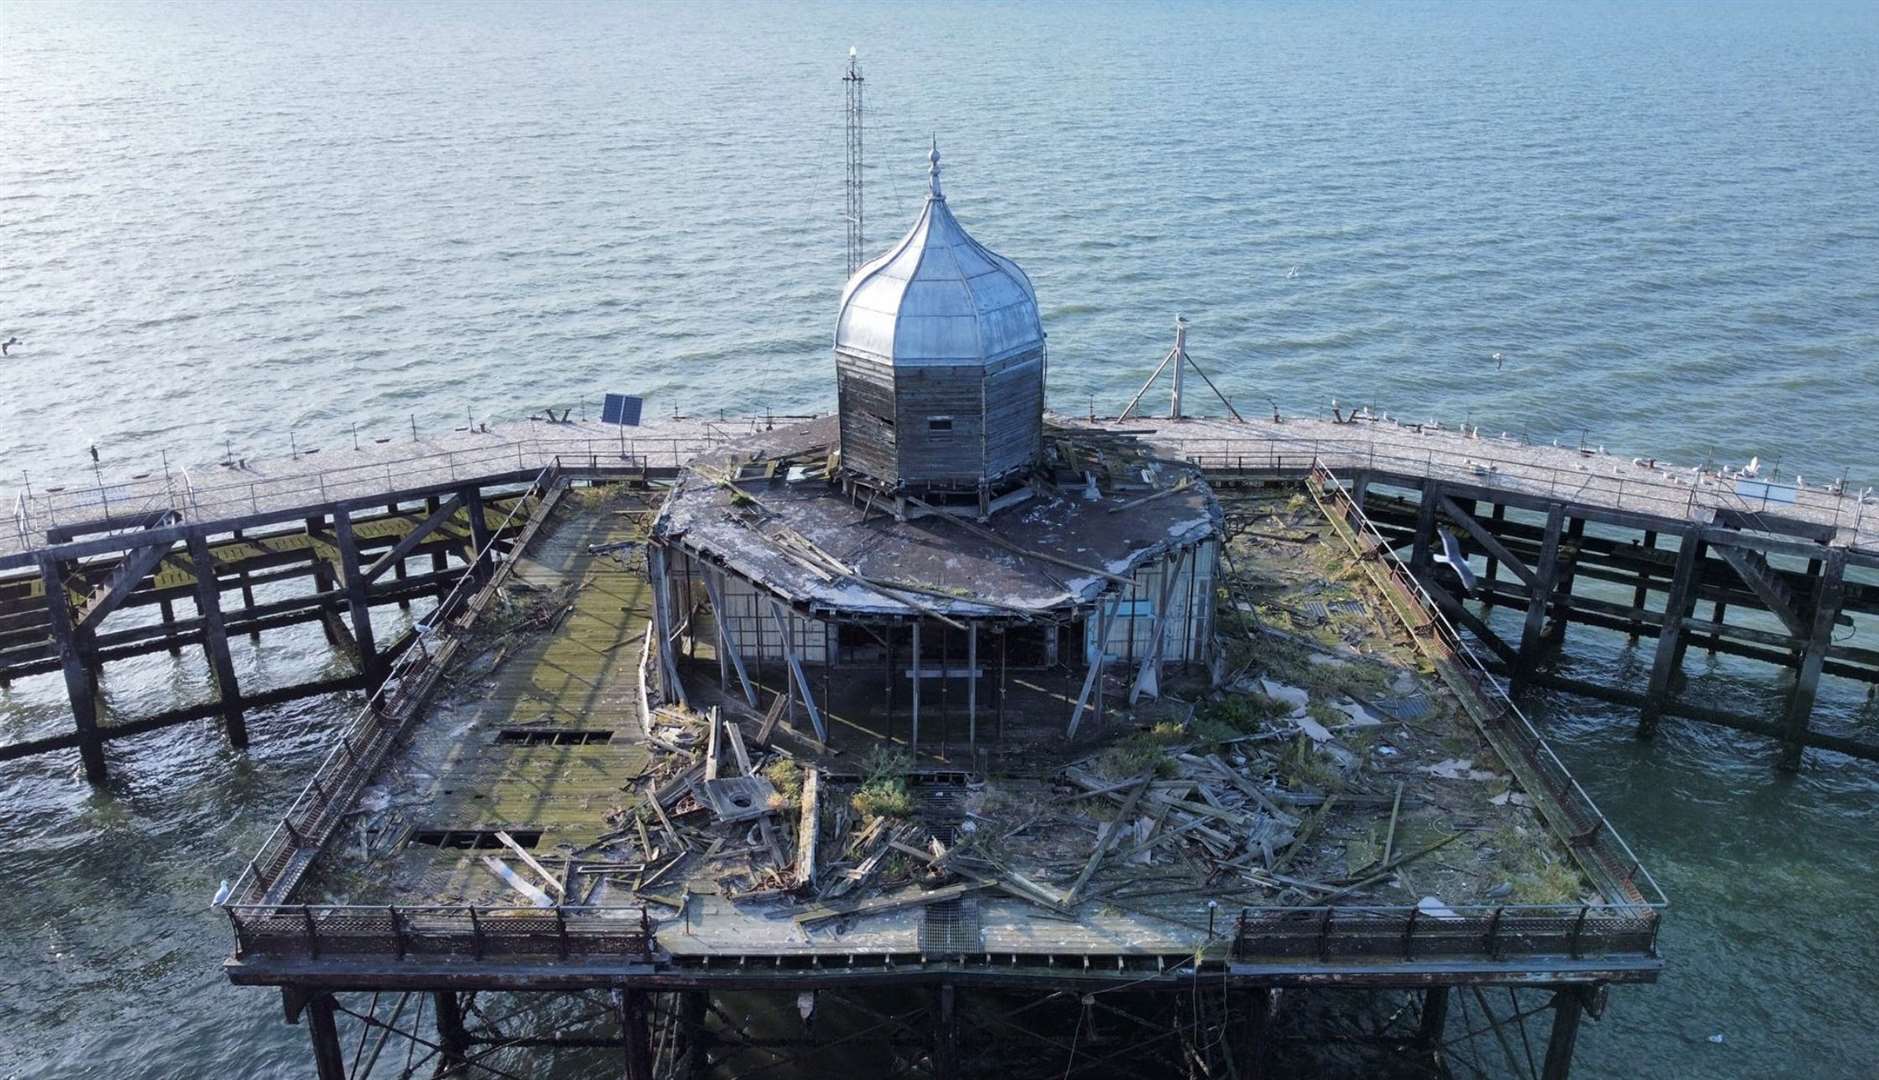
<point>313,934</point>
<point>397,930</point>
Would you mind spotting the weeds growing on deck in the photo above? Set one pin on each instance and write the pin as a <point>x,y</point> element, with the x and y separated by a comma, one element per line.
<point>785,775</point>
<point>884,792</point>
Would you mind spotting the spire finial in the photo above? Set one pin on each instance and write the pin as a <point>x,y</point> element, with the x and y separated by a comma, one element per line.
<point>933,169</point>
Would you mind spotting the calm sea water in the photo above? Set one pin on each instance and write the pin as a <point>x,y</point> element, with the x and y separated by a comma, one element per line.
<point>229,222</point>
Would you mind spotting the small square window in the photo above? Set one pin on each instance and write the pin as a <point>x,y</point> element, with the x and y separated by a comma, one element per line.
<point>939,423</point>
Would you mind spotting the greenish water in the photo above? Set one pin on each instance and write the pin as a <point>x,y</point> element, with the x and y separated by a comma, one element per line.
<point>231,220</point>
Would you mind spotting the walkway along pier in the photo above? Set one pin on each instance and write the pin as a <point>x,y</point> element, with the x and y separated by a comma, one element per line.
<point>1543,528</point>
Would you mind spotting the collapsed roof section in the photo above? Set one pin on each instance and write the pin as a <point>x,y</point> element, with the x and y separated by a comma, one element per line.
<point>1103,507</point>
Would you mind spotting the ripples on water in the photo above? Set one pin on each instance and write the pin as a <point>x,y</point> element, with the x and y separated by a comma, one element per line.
<point>224,221</point>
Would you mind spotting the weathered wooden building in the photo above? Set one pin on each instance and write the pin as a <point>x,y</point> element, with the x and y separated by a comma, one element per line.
<point>940,364</point>
<point>935,535</point>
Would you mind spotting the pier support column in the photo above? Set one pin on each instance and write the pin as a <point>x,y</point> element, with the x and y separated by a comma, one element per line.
<point>215,640</point>
<point>1251,1057</point>
<point>1669,655</point>
<point>1689,610</point>
<point>1827,598</point>
<point>1434,1020</point>
<point>78,656</point>
<point>479,533</point>
<point>1567,1006</point>
<point>945,1034</point>
<point>168,610</point>
<point>452,1040</point>
<point>1421,554</point>
<point>1715,625</point>
<point>324,581</point>
<point>358,599</point>
<point>1643,591</point>
<point>635,1033</point>
<point>329,1061</point>
<point>398,569</point>
<point>439,561</point>
<point>1562,592</point>
<point>1495,519</point>
<point>247,594</point>
<point>695,1004</point>
<point>1540,592</point>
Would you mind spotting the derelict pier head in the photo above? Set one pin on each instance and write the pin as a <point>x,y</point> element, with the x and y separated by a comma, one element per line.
<point>936,535</point>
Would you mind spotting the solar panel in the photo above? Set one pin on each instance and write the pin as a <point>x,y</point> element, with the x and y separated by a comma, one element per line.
<point>620,409</point>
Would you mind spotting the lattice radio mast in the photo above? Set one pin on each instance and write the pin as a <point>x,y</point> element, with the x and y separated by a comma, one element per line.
<point>853,81</point>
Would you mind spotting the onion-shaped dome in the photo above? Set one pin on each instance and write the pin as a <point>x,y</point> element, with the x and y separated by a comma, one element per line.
<point>938,298</point>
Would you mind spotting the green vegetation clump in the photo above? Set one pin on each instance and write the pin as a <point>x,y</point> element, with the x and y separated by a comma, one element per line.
<point>1537,874</point>
<point>1144,753</point>
<point>1323,713</point>
<point>1207,729</point>
<point>785,775</point>
<point>884,793</point>
<point>1304,767</point>
<point>884,797</point>
<point>1245,714</point>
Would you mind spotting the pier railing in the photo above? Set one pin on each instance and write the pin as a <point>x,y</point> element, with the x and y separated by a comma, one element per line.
<point>269,878</point>
<point>221,492</point>
<point>1597,845</point>
<point>217,492</point>
<point>1409,934</point>
<point>1663,496</point>
<point>315,931</point>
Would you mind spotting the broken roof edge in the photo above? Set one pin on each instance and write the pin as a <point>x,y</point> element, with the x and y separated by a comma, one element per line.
<point>861,599</point>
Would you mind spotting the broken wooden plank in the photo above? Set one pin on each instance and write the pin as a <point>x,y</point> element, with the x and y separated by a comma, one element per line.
<point>678,842</point>
<point>735,736</point>
<point>509,842</point>
<point>772,718</point>
<point>882,904</point>
<point>1104,839</point>
<point>501,869</point>
<point>1389,840</point>
<point>807,828</point>
<point>711,745</point>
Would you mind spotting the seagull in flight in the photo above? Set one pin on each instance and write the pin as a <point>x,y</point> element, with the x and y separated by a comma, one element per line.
<point>9,343</point>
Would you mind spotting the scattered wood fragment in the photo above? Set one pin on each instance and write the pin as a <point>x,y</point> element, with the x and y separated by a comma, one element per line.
<point>807,827</point>
<point>501,869</point>
<point>1389,841</point>
<point>1106,837</point>
<point>896,902</point>
<point>520,853</point>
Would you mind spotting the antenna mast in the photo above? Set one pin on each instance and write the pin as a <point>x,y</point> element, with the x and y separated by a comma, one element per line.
<point>853,81</point>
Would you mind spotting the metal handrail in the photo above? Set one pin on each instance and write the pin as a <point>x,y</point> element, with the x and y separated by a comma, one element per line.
<point>401,929</point>
<point>1649,495</point>
<point>337,770</point>
<point>1665,497</point>
<point>1484,680</point>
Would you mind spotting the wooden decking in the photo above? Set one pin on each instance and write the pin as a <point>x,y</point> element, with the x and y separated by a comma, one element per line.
<point>561,654</point>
